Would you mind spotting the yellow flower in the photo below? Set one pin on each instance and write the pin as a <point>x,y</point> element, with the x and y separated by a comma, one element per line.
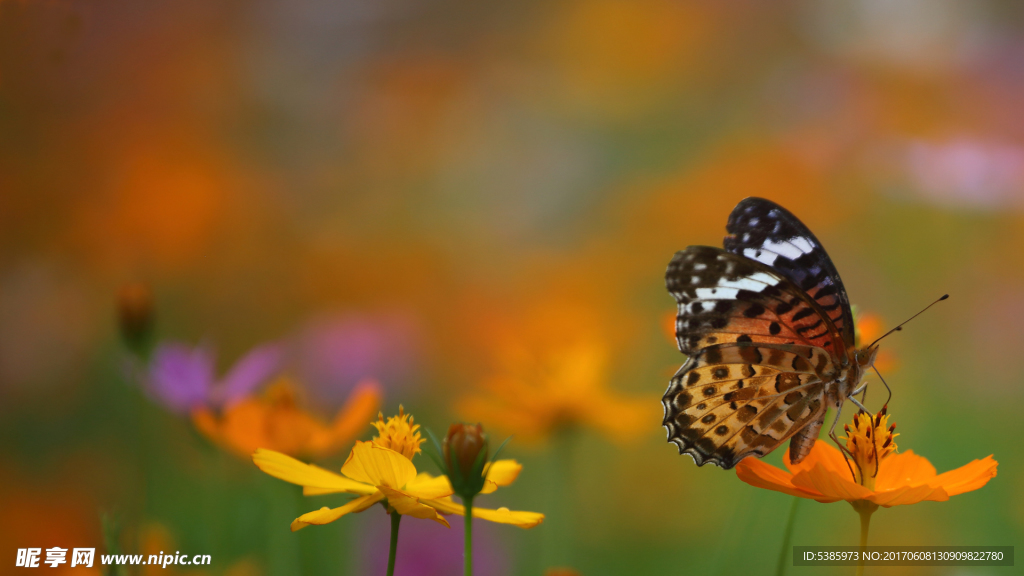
<point>274,420</point>
<point>398,433</point>
<point>376,473</point>
<point>535,396</point>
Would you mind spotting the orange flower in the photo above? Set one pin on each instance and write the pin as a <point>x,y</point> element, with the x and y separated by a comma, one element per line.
<point>867,327</point>
<point>904,478</point>
<point>537,396</point>
<point>274,421</point>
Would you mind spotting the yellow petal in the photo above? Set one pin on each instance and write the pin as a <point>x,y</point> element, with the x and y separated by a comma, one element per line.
<point>500,473</point>
<point>327,515</point>
<point>408,505</point>
<point>379,466</point>
<point>291,470</point>
<point>501,515</point>
<point>426,486</point>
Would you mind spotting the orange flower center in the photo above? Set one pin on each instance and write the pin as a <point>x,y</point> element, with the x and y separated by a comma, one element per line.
<point>870,441</point>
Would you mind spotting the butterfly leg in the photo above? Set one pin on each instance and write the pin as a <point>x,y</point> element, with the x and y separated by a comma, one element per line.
<point>863,391</point>
<point>832,435</point>
<point>858,404</point>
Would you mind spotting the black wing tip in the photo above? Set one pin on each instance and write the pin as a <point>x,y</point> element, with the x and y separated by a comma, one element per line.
<point>701,459</point>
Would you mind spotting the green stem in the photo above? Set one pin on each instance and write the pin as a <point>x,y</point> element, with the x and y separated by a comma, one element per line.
<point>468,504</point>
<point>395,519</point>
<point>865,509</point>
<point>785,553</point>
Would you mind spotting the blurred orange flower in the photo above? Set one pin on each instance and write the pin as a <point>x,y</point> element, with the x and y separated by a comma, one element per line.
<point>890,480</point>
<point>535,397</point>
<point>274,421</point>
<point>868,327</point>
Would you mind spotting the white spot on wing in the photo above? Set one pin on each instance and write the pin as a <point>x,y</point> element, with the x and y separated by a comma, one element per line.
<point>744,284</point>
<point>803,244</point>
<point>783,249</point>
<point>699,266</point>
<point>764,257</point>
<point>717,294</point>
<point>766,278</point>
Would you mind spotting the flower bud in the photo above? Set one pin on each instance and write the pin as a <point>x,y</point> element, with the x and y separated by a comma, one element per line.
<point>135,315</point>
<point>465,454</point>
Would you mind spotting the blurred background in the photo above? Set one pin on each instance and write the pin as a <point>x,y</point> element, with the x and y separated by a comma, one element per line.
<point>467,209</point>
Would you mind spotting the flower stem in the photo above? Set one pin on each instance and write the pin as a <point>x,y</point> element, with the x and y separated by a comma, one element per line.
<point>395,519</point>
<point>468,504</point>
<point>787,534</point>
<point>865,509</point>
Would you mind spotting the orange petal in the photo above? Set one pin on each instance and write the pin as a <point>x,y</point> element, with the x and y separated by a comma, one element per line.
<point>903,469</point>
<point>968,477</point>
<point>763,475</point>
<point>833,486</point>
<point>822,453</point>
<point>909,495</point>
<point>361,405</point>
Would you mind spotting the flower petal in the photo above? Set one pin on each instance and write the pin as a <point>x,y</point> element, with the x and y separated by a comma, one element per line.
<point>327,515</point>
<point>909,495</point>
<point>291,470</point>
<point>426,486</point>
<point>501,515</point>
<point>834,486</point>
<point>500,473</point>
<point>903,469</point>
<point>378,466</point>
<point>968,477</point>
<point>822,453</point>
<point>408,505</point>
<point>763,475</point>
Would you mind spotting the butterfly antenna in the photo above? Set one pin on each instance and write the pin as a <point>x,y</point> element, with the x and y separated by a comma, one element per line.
<point>900,327</point>
<point>885,384</point>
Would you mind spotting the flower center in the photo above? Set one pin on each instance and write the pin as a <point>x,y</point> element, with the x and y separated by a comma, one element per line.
<point>870,441</point>
<point>398,433</point>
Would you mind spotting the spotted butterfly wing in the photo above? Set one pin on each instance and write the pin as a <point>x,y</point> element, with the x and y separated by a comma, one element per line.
<point>763,351</point>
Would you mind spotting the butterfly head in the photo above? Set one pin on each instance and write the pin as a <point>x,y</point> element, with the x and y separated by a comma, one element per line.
<point>866,356</point>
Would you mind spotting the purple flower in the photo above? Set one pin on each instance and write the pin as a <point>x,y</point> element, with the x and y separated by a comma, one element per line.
<point>183,378</point>
<point>334,353</point>
<point>428,549</point>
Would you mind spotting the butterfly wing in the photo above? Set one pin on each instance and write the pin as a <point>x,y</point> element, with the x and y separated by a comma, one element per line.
<point>761,353</point>
<point>730,401</point>
<point>762,230</point>
<point>725,298</point>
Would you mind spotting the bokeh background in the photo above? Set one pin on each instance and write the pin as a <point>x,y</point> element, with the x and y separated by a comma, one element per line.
<point>458,198</point>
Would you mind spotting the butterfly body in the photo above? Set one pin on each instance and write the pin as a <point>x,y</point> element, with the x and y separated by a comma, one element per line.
<point>768,329</point>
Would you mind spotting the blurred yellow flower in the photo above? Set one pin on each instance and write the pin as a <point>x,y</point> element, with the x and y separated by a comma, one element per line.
<point>375,473</point>
<point>535,397</point>
<point>274,421</point>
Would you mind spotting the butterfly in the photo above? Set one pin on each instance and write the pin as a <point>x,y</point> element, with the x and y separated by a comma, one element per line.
<point>768,331</point>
